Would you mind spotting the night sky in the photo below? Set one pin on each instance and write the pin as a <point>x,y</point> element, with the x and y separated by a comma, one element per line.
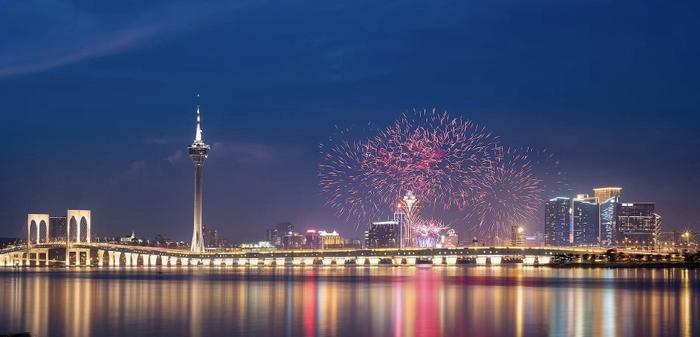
<point>98,100</point>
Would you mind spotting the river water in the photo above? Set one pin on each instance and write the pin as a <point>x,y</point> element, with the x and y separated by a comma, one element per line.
<point>351,301</point>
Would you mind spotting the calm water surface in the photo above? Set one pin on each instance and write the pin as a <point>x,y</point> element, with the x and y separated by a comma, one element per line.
<point>378,301</point>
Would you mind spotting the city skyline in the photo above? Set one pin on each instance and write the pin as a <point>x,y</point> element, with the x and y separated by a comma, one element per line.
<point>103,127</point>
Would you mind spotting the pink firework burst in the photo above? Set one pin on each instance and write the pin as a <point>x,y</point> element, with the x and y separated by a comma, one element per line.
<point>433,153</point>
<point>427,232</point>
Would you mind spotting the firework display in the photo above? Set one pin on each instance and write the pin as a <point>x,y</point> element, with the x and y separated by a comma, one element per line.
<point>508,193</point>
<point>427,232</point>
<point>450,163</point>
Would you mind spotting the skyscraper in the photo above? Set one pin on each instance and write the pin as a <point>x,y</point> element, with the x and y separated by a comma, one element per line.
<point>604,193</point>
<point>384,234</point>
<point>608,220</point>
<point>585,222</point>
<point>278,231</point>
<point>557,222</point>
<point>638,224</point>
<point>198,151</point>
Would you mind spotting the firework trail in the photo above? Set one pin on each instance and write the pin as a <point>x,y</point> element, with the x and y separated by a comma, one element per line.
<point>345,183</point>
<point>508,194</point>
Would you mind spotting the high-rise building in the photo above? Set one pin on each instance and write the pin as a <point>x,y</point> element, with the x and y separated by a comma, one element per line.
<point>517,236</point>
<point>638,224</point>
<point>278,231</point>
<point>57,228</point>
<point>585,222</point>
<point>211,237</point>
<point>313,240</point>
<point>410,210</point>
<point>330,240</point>
<point>450,239</point>
<point>608,220</point>
<point>604,193</point>
<point>199,151</point>
<point>557,222</point>
<point>293,240</point>
<point>384,234</point>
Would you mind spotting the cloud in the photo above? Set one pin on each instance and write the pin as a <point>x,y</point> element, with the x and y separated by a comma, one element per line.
<point>250,153</point>
<point>239,152</point>
<point>102,46</point>
<point>40,37</point>
<point>175,157</point>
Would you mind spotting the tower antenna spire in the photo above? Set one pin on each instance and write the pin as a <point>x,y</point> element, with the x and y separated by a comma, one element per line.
<point>198,131</point>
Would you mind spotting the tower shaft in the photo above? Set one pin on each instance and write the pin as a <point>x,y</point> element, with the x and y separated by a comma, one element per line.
<point>197,237</point>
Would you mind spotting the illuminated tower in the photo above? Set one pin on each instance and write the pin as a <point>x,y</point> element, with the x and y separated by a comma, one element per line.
<point>410,202</point>
<point>198,151</point>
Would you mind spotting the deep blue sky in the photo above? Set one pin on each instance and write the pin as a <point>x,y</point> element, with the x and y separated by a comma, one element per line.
<point>98,98</point>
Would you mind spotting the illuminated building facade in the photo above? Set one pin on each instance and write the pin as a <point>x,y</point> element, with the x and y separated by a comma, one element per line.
<point>638,224</point>
<point>293,240</point>
<point>608,220</point>
<point>557,222</point>
<point>585,222</point>
<point>330,239</point>
<point>604,193</point>
<point>450,239</point>
<point>313,239</point>
<point>384,234</point>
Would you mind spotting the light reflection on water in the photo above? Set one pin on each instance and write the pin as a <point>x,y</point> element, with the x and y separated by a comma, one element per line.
<point>380,301</point>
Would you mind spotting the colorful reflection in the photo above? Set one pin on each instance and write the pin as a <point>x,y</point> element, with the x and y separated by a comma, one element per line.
<point>378,301</point>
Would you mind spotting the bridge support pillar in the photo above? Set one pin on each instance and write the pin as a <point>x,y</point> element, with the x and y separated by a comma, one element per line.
<point>217,262</point>
<point>117,259</point>
<point>134,259</point>
<point>127,259</point>
<point>297,261</point>
<point>327,261</point>
<point>309,261</point>
<point>173,261</point>
<point>268,262</point>
<point>340,261</point>
<point>481,260</point>
<point>542,260</point>
<point>411,261</point>
<point>495,260</point>
<point>228,262</point>
<point>153,260</point>
<point>373,261</point>
<point>253,261</point>
<point>242,262</point>
<point>279,262</point>
<point>451,260</point>
<point>437,260</point>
